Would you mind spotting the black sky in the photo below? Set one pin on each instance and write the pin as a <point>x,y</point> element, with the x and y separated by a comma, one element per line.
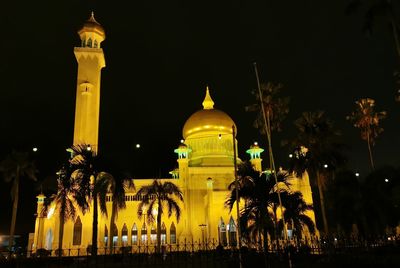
<point>159,57</point>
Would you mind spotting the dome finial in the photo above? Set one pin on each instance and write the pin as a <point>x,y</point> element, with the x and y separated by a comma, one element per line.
<point>208,103</point>
<point>92,19</point>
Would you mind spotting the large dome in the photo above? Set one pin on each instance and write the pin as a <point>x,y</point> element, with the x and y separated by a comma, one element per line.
<point>208,121</point>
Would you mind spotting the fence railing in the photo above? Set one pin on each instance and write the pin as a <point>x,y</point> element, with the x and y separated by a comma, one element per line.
<point>330,245</point>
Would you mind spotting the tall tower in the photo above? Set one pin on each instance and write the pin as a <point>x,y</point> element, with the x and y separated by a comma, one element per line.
<point>90,58</point>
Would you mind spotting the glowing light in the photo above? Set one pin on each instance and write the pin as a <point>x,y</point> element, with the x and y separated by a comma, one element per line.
<point>50,213</point>
<point>386,180</point>
<point>325,166</point>
<point>182,141</point>
<point>88,148</point>
<point>35,149</point>
<point>154,211</point>
<point>290,155</point>
<point>357,174</point>
<point>137,146</point>
<point>255,143</point>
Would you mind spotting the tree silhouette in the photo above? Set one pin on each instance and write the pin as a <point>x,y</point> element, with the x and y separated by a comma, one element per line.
<point>317,151</point>
<point>15,167</point>
<point>155,198</point>
<point>367,120</point>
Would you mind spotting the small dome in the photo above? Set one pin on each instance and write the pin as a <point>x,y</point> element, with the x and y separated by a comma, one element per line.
<point>91,25</point>
<point>208,121</point>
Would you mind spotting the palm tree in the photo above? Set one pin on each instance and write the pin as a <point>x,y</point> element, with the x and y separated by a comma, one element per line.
<point>381,9</point>
<point>316,150</point>
<point>272,110</point>
<point>15,166</point>
<point>117,187</point>
<point>259,193</point>
<point>367,120</point>
<point>87,166</point>
<point>156,197</point>
<point>64,200</point>
<point>385,10</point>
<point>295,213</point>
<point>275,107</point>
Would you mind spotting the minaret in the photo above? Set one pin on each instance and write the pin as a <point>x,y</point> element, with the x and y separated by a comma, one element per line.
<point>90,58</point>
<point>255,158</point>
<point>39,224</point>
<point>183,165</point>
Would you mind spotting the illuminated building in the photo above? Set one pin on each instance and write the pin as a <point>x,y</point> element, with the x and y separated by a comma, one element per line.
<point>205,169</point>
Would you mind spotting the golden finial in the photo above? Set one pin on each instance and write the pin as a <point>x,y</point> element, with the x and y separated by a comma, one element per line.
<point>208,103</point>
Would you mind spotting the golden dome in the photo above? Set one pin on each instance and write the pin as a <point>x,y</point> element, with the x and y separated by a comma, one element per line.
<point>208,121</point>
<point>91,25</point>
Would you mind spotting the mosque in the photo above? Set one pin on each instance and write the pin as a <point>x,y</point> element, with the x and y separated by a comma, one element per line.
<point>205,169</point>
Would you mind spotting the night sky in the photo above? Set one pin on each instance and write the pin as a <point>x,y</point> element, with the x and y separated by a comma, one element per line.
<point>160,55</point>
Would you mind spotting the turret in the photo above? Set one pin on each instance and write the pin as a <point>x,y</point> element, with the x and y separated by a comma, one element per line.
<point>255,156</point>
<point>39,223</point>
<point>183,159</point>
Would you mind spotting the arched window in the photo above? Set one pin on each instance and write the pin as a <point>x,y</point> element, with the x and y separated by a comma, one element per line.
<point>222,232</point>
<point>232,233</point>
<point>172,234</point>
<point>77,236</point>
<point>124,235</point>
<point>49,239</point>
<point>153,234</point>
<point>95,44</point>
<point>89,42</point>
<point>143,234</point>
<point>105,235</point>
<point>134,234</point>
<point>163,234</point>
<point>83,43</point>
<point>114,233</point>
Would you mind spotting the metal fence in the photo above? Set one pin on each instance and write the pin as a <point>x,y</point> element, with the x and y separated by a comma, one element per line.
<point>210,254</point>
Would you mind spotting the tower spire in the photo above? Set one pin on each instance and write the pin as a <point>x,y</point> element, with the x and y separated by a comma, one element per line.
<point>208,103</point>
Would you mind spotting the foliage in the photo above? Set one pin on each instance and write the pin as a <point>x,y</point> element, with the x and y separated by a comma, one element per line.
<point>384,10</point>
<point>316,147</point>
<point>367,120</point>
<point>259,194</point>
<point>116,186</point>
<point>275,107</point>
<point>317,150</point>
<point>88,172</point>
<point>156,197</point>
<point>295,213</point>
<point>64,199</point>
<point>15,166</point>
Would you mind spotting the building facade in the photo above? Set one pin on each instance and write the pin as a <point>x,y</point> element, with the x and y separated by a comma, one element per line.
<point>205,169</point>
